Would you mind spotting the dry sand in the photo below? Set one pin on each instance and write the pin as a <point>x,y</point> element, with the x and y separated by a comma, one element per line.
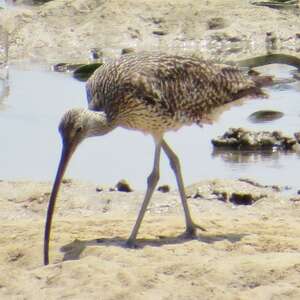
<point>248,252</point>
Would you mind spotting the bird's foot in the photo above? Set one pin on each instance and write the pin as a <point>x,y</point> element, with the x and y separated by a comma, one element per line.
<point>131,244</point>
<point>199,227</point>
<point>191,231</point>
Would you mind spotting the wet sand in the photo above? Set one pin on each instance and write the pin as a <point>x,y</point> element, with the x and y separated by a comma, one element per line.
<point>65,31</point>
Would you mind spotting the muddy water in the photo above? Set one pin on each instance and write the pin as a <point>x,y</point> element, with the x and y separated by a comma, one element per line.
<point>30,143</point>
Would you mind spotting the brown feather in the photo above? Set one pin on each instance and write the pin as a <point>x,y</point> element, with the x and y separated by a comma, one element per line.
<point>159,92</point>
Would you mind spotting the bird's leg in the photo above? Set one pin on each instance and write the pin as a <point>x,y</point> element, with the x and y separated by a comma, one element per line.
<point>151,184</point>
<point>175,165</point>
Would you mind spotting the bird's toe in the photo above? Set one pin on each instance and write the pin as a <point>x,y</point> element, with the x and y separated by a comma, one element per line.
<point>131,244</point>
<point>191,231</point>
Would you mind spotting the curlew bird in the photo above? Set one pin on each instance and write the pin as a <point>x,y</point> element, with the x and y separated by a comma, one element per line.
<point>152,93</point>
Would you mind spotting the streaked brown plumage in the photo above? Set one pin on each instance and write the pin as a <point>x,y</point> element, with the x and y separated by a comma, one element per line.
<point>153,93</point>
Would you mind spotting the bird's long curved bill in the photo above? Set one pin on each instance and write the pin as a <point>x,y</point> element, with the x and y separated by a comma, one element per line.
<point>65,157</point>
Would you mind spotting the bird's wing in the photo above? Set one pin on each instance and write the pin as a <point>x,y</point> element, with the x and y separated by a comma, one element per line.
<point>178,84</point>
<point>175,85</point>
<point>190,89</point>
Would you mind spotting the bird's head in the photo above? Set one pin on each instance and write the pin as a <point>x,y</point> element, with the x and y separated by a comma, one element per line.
<point>73,128</point>
<point>79,123</point>
<point>76,125</point>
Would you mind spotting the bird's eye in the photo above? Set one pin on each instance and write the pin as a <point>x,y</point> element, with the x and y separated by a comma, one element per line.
<point>78,130</point>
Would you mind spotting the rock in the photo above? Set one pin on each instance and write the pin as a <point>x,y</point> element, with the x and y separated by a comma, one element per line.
<point>242,139</point>
<point>164,188</point>
<point>271,42</point>
<point>242,199</point>
<point>225,37</point>
<point>243,194</point>
<point>95,54</point>
<point>65,67</point>
<point>30,2</point>
<point>123,186</point>
<point>265,116</point>
<point>257,184</point>
<point>66,181</point>
<point>297,136</point>
<point>103,188</point>
<point>234,39</point>
<point>159,32</point>
<point>127,51</point>
<point>296,148</point>
<point>222,196</point>
<point>296,75</point>
<point>60,67</point>
<point>157,20</point>
<point>84,72</point>
<point>295,199</point>
<point>99,189</point>
<point>278,4</point>
<point>134,33</point>
<point>216,23</point>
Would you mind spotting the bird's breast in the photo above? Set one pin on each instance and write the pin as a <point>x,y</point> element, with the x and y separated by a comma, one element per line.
<point>148,119</point>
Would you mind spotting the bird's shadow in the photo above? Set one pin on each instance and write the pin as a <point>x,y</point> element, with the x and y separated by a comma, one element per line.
<point>73,250</point>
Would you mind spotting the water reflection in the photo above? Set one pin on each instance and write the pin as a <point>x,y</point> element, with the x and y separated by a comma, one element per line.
<point>246,156</point>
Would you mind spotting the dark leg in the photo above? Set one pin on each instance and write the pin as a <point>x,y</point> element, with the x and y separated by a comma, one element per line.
<point>152,182</point>
<point>175,165</point>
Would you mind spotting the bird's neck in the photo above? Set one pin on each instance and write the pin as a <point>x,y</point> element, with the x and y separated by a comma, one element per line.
<point>98,123</point>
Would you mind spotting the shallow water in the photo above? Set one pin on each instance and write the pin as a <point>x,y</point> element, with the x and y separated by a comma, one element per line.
<point>30,143</point>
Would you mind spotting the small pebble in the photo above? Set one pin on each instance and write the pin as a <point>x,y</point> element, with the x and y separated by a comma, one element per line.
<point>297,136</point>
<point>60,67</point>
<point>96,54</point>
<point>265,116</point>
<point>66,181</point>
<point>99,189</point>
<point>295,199</point>
<point>127,51</point>
<point>216,23</point>
<point>296,75</point>
<point>164,188</point>
<point>159,32</point>
<point>123,186</point>
<point>222,196</point>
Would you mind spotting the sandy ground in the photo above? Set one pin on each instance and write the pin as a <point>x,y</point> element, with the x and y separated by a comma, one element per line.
<point>65,30</point>
<point>247,252</point>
